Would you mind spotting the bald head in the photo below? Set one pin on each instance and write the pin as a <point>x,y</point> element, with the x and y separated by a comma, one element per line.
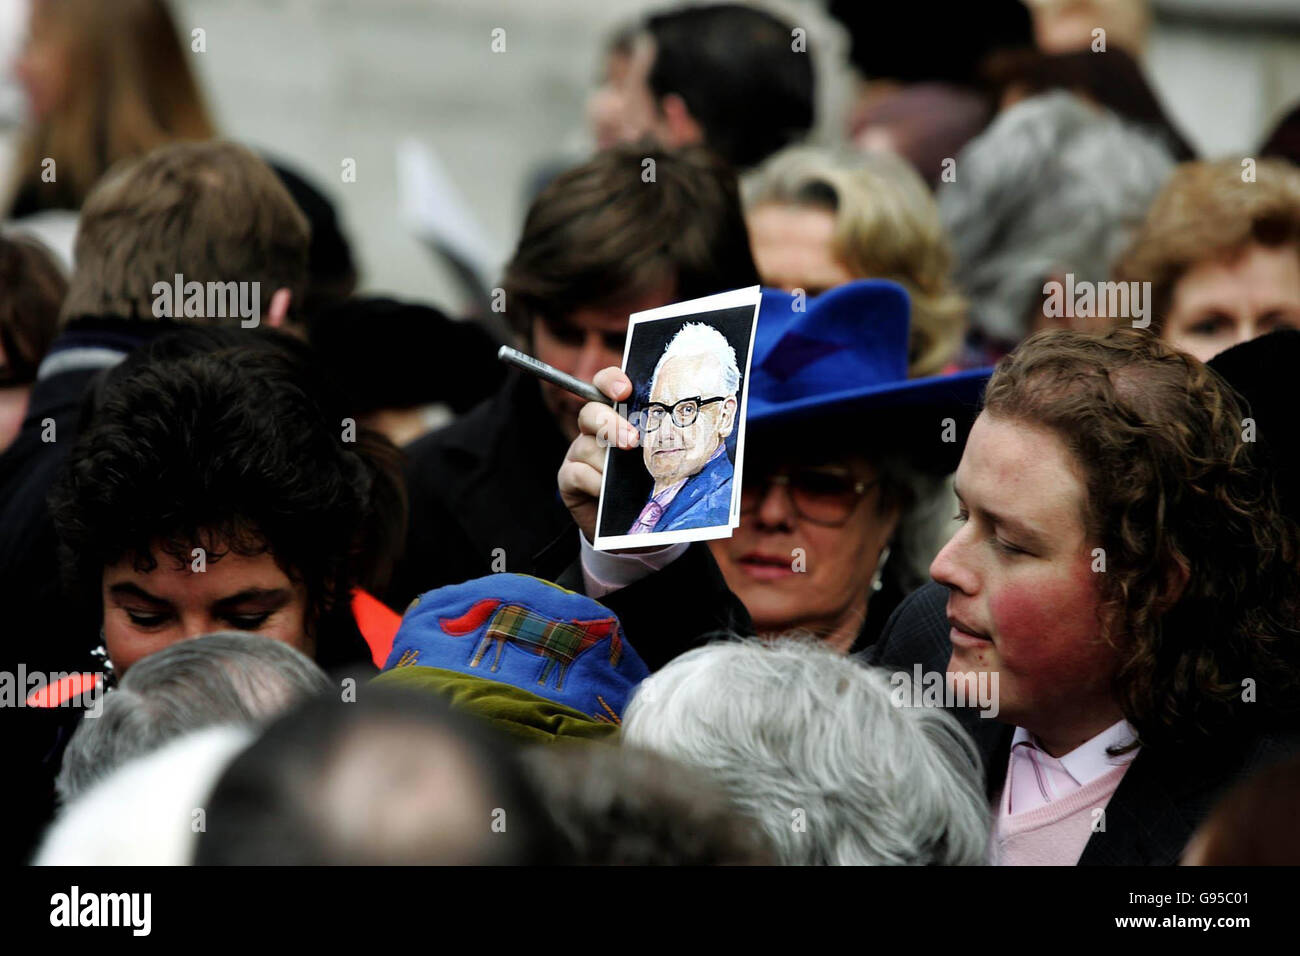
<point>393,779</point>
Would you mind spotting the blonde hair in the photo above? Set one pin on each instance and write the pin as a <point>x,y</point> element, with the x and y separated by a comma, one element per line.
<point>130,89</point>
<point>1207,212</point>
<point>886,227</point>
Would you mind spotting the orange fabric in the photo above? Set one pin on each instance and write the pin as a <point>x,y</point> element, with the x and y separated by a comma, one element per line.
<point>54,695</point>
<point>378,624</point>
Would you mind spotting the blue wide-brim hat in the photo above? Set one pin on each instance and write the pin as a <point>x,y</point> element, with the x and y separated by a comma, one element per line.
<point>526,632</point>
<point>845,352</point>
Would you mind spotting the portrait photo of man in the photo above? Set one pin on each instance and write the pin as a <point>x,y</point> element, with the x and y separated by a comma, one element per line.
<point>691,412</point>
<point>688,363</point>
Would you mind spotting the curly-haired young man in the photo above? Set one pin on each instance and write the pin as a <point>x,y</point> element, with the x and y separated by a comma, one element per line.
<point>1125,569</point>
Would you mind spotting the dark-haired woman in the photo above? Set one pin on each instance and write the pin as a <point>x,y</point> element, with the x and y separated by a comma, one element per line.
<point>218,492</point>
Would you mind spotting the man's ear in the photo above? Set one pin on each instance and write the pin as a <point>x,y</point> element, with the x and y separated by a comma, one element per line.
<point>679,126</point>
<point>277,314</point>
<point>727,421</point>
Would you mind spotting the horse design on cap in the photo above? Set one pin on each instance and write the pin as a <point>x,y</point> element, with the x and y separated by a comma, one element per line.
<point>558,642</point>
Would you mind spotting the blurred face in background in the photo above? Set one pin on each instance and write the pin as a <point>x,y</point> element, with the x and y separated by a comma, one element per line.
<point>622,109</point>
<point>45,64</point>
<point>808,544</point>
<point>145,612</point>
<point>582,343</point>
<point>1221,303</point>
<point>793,247</point>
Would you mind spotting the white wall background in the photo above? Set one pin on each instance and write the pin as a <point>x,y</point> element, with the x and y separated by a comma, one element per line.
<point>315,81</point>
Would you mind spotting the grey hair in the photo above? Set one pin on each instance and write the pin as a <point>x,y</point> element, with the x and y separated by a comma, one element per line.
<point>696,338</point>
<point>627,806</point>
<point>924,525</point>
<point>1054,185</point>
<point>223,678</point>
<point>798,734</point>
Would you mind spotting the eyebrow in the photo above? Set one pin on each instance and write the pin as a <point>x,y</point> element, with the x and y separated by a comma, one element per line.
<point>269,596</point>
<point>126,589</point>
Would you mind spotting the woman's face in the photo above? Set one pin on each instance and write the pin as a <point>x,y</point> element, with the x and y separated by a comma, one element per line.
<point>622,109</point>
<point>1023,597</point>
<point>792,572</point>
<point>44,66</point>
<point>793,248</point>
<point>145,612</point>
<point>1222,303</point>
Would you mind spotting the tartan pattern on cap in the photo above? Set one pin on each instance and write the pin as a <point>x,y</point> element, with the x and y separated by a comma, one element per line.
<point>549,641</point>
<point>557,641</point>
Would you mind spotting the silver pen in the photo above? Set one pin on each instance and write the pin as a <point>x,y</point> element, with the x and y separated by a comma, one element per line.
<point>553,375</point>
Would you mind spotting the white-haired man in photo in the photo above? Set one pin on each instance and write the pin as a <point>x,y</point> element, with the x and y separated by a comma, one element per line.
<point>691,412</point>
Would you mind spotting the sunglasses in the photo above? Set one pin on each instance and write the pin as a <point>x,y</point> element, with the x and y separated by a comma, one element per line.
<point>825,496</point>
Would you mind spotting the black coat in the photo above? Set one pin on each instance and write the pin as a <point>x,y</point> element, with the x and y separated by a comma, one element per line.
<point>37,618</point>
<point>43,630</point>
<point>1162,798</point>
<point>486,481</point>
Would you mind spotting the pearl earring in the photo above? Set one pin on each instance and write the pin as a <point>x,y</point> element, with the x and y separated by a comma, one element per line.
<point>876,582</point>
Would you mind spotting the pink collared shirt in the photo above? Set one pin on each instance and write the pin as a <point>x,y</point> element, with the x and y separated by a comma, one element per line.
<point>1036,778</point>
<point>1050,807</point>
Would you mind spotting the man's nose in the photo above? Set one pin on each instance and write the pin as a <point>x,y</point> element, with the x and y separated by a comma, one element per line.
<point>951,567</point>
<point>594,356</point>
<point>197,625</point>
<point>1246,330</point>
<point>670,434</point>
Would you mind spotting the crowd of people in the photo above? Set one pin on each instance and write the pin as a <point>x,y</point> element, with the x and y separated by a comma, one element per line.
<point>1016,578</point>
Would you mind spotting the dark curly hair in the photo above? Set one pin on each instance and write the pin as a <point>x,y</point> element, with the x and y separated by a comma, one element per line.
<point>229,451</point>
<point>1200,585</point>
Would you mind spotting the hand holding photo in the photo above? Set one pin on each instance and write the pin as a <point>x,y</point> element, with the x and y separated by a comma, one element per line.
<point>689,365</point>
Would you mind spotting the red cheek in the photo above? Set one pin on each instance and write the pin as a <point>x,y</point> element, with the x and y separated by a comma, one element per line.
<point>1049,626</point>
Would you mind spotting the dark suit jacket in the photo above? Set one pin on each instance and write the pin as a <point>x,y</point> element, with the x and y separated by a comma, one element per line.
<point>1163,797</point>
<point>486,481</point>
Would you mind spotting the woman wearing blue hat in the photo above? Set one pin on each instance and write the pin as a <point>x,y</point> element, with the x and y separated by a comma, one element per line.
<point>844,502</point>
